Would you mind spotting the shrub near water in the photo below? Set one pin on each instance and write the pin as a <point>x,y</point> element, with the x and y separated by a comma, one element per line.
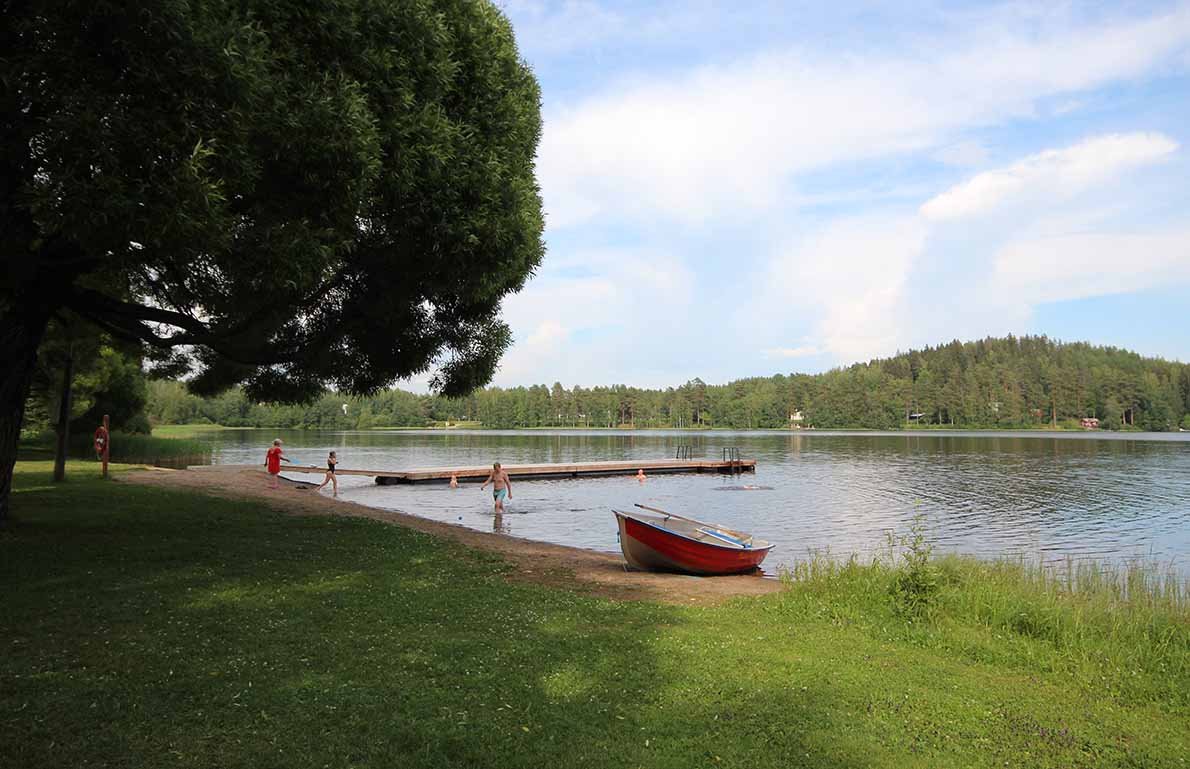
<point>914,586</point>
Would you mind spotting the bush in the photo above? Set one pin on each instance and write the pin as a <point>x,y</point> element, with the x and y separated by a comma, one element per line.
<point>914,588</point>
<point>138,424</point>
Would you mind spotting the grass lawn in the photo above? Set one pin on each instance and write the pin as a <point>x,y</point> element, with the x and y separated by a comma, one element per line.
<point>144,628</point>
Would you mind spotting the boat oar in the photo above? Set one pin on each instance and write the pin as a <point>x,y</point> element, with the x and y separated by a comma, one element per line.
<point>741,534</point>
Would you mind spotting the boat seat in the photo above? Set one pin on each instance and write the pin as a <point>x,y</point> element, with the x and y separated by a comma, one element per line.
<point>725,537</point>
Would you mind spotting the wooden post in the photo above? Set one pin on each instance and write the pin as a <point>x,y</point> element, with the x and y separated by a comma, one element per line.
<point>64,404</point>
<point>107,444</point>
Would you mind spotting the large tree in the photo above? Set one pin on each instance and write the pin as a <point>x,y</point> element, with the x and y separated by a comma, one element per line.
<point>276,194</point>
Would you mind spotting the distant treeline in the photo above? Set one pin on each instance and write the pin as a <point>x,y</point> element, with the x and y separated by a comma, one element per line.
<point>992,383</point>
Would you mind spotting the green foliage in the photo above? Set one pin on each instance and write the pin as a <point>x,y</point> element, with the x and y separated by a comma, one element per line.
<point>138,424</point>
<point>171,403</point>
<point>1025,383</point>
<point>272,194</point>
<point>914,588</point>
<point>239,636</point>
<point>107,378</point>
<point>117,387</point>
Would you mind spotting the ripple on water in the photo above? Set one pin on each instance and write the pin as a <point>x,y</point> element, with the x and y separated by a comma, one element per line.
<point>742,488</point>
<point>1001,494</point>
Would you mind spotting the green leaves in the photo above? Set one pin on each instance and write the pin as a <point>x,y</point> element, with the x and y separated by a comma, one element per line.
<point>914,587</point>
<point>341,194</point>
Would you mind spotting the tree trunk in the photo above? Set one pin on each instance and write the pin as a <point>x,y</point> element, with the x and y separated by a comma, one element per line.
<point>21,330</point>
<point>64,404</point>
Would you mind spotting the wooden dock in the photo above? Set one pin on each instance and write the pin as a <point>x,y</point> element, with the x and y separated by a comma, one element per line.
<point>553,470</point>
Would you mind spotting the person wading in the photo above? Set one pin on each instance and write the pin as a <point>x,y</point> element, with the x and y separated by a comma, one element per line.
<point>331,462</point>
<point>501,486</point>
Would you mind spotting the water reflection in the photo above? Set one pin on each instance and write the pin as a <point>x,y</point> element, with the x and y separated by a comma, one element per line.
<point>1038,495</point>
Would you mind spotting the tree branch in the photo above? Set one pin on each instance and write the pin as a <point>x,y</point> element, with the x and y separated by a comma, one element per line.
<point>127,320</point>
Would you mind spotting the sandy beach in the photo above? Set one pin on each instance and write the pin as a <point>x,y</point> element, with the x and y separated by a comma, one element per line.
<point>601,574</point>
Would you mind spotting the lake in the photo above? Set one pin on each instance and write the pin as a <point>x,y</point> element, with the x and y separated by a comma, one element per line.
<point>1048,496</point>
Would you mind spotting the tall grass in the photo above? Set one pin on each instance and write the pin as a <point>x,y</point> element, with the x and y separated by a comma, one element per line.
<point>191,430</point>
<point>129,448</point>
<point>1123,630</point>
<point>1127,624</point>
<point>149,450</point>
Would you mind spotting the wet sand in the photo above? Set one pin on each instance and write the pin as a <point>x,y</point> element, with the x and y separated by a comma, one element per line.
<point>586,571</point>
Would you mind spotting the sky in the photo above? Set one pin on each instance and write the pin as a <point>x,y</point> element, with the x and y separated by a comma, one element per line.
<point>741,189</point>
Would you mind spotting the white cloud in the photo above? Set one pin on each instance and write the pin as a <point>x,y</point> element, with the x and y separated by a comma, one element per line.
<point>548,335</point>
<point>792,352</point>
<point>552,29</point>
<point>729,160</point>
<point>1054,172</point>
<point>725,141</point>
<point>547,340</point>
<point>1066,107</point>
<point>536,316</point>
<point>849,278</point>
<point>870,285</point>
<point>587,329</point>
<point>967,153</point>
<point>1078,266</point>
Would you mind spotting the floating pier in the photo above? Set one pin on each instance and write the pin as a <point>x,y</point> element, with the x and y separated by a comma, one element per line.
<point>552,470</point>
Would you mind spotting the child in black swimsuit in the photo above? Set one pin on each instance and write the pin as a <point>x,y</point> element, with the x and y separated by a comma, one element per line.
<point>331,478</point>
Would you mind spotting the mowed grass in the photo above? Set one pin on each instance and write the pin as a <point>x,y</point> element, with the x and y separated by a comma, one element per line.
<point>147,628</point>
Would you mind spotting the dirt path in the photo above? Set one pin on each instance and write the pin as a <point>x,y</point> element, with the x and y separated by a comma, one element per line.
<point>538,562</point>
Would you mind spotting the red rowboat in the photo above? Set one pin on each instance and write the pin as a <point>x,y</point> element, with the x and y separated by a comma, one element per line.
<point>669,542</point>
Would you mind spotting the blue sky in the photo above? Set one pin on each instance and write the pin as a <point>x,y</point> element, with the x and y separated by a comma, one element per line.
<point>741,189</point>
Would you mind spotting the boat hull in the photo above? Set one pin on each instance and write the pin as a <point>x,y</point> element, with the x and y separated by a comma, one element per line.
<point>652,548</point>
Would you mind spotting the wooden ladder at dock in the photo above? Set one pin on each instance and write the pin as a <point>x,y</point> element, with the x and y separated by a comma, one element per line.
<point>731,460</point>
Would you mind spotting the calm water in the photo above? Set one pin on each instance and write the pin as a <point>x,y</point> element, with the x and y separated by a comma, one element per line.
<point>1043,496</point>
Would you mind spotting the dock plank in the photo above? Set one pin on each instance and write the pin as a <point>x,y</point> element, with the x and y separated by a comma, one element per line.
<point>547,470</point>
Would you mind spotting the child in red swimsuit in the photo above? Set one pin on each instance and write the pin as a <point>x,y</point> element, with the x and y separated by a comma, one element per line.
<point>272,461</point>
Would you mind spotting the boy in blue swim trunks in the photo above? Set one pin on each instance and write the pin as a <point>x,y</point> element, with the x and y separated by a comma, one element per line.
<point>501,486</point>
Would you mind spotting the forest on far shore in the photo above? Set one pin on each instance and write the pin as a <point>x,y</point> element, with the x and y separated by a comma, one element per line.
<point>1014,382</point>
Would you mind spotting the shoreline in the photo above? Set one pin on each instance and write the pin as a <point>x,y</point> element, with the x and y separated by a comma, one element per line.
<point>587,571</point>
<point>1038,431</point>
